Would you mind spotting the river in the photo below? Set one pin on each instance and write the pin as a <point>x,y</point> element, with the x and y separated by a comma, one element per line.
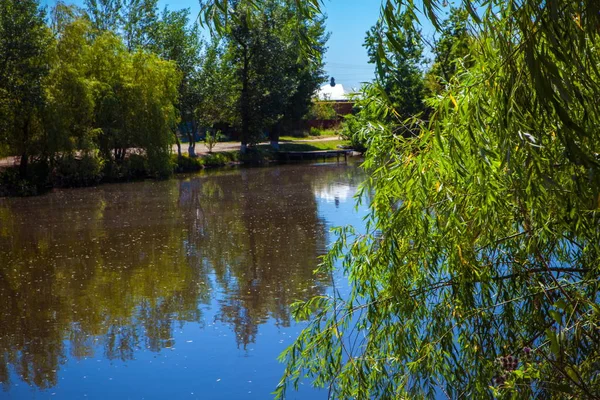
<point>173,289</point>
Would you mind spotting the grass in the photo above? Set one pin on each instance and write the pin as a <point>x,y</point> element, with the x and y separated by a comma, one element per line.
<point>310,146</point>
<point>324,133</point>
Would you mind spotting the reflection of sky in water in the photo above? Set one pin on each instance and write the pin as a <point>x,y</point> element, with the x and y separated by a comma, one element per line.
<point>188,279</point>
<point>337,193</point>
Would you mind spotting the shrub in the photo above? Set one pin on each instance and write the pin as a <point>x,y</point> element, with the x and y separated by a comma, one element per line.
<point>11,184</point>
<point>352,130</point>
<point>220,159</point>
<point>134,167</point>
<point>187,164</point>
<point>322,110</point>
<point>159,165</point>
<point>314,131</point>
<point>73,172</point>
<point>212,138</point>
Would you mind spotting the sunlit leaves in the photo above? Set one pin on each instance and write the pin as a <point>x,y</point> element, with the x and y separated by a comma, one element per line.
<point>483,238</point>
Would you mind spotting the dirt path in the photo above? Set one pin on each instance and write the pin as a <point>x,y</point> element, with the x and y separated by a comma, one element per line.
<point>200,148</point>
<point>233,146</point>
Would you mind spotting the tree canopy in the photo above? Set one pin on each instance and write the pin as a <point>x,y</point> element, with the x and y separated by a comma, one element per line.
<point>86,88</point>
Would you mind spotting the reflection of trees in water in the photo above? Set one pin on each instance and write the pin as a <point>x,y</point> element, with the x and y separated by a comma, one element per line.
<point>116,267</point>
<point>262,242</point>
<point>107,268</point>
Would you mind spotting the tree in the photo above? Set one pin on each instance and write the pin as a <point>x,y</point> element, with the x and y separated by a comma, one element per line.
<point>274,78</point>
<point>139,21</point>
<point>452,48</point>
<point>175,40</point>
<point>24,44</point>
<point>401,78</point>
<point>68,117</point>
<point>478,274</point>
<point>216,85</point>
<point>104,14</point>
<point>134,20</point>
<point>136,94</point>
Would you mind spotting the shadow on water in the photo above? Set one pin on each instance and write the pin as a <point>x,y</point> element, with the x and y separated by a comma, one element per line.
<point>118,272</point>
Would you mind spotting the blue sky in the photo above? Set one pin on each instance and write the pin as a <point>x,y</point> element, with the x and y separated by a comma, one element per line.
<point>348,22</point>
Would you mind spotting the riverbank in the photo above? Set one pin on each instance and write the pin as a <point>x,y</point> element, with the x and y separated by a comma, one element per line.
<point>89,170</point>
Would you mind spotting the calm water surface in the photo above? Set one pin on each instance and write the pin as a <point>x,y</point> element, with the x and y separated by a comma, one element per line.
<point>177,289</point>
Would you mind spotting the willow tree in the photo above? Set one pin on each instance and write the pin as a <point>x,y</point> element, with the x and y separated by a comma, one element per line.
<point>478,274</point>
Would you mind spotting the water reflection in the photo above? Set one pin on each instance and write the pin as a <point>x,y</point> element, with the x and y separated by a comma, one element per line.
<point>117,269</point>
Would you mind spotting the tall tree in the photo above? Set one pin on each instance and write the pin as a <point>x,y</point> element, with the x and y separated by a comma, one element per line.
<point>450,50</point>
<point>104,14</point>
<point>68,117</point>
<point>174,39</point>
<point>401,78</point>
<point>134,20</point>
<point>139,20</point>
<point>270,66</point>
<point>216,87</point>
<point>24,44</point>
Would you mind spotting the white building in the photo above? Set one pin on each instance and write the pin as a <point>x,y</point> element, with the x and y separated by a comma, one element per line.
<point>332,92</point>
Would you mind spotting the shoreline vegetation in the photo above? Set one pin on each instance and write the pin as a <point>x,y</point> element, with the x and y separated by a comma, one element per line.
<point>89,169</point>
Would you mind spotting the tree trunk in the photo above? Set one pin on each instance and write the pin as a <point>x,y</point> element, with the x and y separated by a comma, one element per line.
<point>274,134</point>
<point>245,103</point>
<point>178,143</point>
<point>24,154</point>
<point>191,141</point>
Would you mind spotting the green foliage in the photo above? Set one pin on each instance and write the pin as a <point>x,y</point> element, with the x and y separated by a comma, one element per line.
<point>400,79</point>
<point>212,138</point>
<point>314,131</point>
<point>74,172</point>
<point>216,85</point>
<point>321,110</point>
<point>353,131</point>
<point>451,50</point>
<point>274,83</point>
<point>478,273</point>
<point>177,40</point>
<point>24,50</point>
<point>13,184</point>
<point>186,164</point>
<point>194,164</point>
<point>219,159</point>
<point>135,20</point>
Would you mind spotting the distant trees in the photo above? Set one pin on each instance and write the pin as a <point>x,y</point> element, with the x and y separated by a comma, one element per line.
<point>274,81</point>
<point>401,79</point>
<point>451,51</point>
<point>174,39</point>
<point>117,77</point>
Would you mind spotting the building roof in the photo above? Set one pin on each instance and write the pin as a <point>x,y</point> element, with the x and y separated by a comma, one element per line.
<point>332,91</point>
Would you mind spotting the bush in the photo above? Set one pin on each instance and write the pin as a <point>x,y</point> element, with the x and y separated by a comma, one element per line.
<point>187,164</point>
<point>352,130</point>
<point>314,131</point>
<point>73,172</point>
<point>160,165</point>
<point>11,184</point>
<point>212,138</point>
<point>322,110</point>
<point>134,167</point>
<point>220,159</point>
